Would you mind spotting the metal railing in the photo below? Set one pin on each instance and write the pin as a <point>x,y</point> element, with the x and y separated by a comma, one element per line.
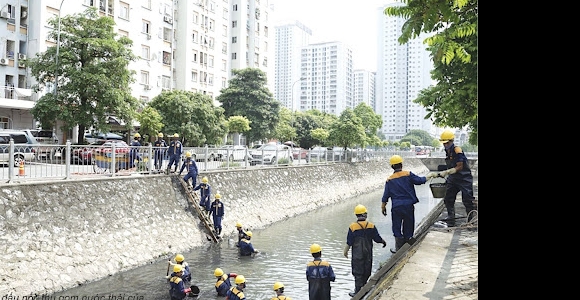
<point>53,162</point>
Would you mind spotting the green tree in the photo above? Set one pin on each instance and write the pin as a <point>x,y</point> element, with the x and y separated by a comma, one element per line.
<point>192,115</point>
<point>320,135</point>
<point>454,50</point>
<point>311,120</point>
<point>237,125</point>
<point>370,121</point>
<point>418,137</point>
<point>284,130</point>
<point>151,122</point>
<point>93,75</point>
<point>247,95</point>
<point>348,130</point>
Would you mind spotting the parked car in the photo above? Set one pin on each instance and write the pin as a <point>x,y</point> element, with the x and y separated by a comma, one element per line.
<point>84,155</point>
<point>232,152</point>
<point>45,137</point>
<point>200,153</point>
<point>318,153</point>
<point>297,151</point>
<point>102,156</point>
<point>24,146</point>
<point>270,154</point>
<point>93,137</point>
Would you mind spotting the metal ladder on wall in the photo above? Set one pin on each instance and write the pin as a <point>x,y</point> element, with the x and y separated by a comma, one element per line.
<point>203,216</point>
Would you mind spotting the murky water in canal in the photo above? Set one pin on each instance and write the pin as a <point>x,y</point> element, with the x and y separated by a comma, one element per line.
<point>284,252</point>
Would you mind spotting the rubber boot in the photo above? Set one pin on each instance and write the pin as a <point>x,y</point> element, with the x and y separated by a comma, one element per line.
<point>399,242</point>
<point>451,216</point>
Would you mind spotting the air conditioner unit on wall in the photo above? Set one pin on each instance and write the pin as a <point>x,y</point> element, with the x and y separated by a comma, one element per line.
<point>4,61</point>
<point>21,65</point>
<point>168,19</point>
<point>4,15</point>
<point>21,56</point>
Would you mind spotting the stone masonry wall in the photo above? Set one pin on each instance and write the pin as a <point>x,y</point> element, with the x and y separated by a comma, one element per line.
<point>54,236</point>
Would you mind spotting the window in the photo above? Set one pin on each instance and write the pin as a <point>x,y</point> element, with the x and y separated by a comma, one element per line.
<point>210,61</point>
<point>144,77</point>
<point>145,51</point>
<point>144,99</point>
<point>210,79</point>
<point>266,31</point>
<point>146,3</point>
<point>224,48</point>
<point>167,34</point>
<point>89,2</point>
<point>195,55</point>
<point>234,55</point>
<point>234,24</point>
<point>166,82</point>
<point>124,11</point>
<point>194,76</point>
<point>194,36</point>
<point>146,27</point>
<point>211,26</point>
<point>224,81</point>
<point>123,33</point>
<point>211,42</point>
<point>224,64</point>
<point>224,30</point>
<point>195,18</point>
<point>265,61</point>
<point>234,39</point>
<point>235,7</point>
<point>166,58</point>
<point>225,14</point>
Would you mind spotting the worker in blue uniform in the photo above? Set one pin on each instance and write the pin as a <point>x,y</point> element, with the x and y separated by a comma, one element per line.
<point>319,274</point>
<point>400,188</point>
<point>134,152</point>
<point>237,292</point>
<point>191,169</point>
<point>204,193</point>
<point>174,151</point>
<point>459,178</point>
<point>223,284</point>
<point>177,290</point>
<point>217,211</point>
<point>360,237</point>
<point>159,146</point>
<point>246,247</point>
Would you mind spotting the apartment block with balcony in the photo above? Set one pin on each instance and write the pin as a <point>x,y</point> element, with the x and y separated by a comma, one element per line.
<point>329,86</point>
<point>364,88</point>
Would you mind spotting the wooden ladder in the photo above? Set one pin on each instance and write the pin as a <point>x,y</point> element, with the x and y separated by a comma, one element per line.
<point>203,216</point>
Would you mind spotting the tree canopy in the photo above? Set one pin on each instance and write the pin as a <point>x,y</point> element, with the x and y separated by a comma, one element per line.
<point>453,101</point>
<point>92,71</point>
<point>192,115</point>
<point>247,95</point>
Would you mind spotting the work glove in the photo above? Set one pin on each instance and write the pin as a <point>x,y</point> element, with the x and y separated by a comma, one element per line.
<point>384,244</point>
<point>432,175</point>
<point>384,208</point>
<point>346,248</point>
<point>187,290</point>
<point>168,276</point>
<point>447,172</point>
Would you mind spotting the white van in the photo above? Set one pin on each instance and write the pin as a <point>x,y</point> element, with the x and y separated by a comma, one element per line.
<point>24,146</point>
<point>45,137</point>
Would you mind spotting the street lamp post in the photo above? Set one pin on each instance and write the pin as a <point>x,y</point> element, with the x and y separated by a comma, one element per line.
<point>57,48</point>
<point>292,99</point>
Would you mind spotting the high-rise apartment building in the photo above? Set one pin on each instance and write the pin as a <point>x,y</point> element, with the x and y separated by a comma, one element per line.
<point>252,37</point>
<point>402,72</point>
<point>187,45</point>
<point>290,38</point>
<point>364,88</point>
<point>328,69</point>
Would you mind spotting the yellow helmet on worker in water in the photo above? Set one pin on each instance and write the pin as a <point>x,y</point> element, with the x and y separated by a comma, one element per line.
<point>315,248</point>
<point>360,209</point>
<point>240,279</point>
<point>278,285</point>
<point>187,154</point>
<point>179,258</point>
<point>238,224</point>
<point>395,159</point>
<point>218,196</point>
<point>446,136</point>
<point>249,233</point>
<point>204,179</point>
<point>177,268</point>
<point>218,272</point>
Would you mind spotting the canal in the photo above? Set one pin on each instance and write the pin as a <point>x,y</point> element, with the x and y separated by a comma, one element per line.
<point>284,252</point>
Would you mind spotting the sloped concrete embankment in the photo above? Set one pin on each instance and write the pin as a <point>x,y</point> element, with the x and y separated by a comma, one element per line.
<point>54,236</point>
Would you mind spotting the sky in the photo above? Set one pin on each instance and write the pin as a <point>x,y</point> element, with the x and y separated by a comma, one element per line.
<point>351,22</point>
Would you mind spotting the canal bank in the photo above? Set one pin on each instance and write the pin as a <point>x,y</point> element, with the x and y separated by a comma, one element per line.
<point>78,231</point>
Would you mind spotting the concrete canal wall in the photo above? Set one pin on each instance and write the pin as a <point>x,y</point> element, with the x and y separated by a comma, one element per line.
<point>54,236</point>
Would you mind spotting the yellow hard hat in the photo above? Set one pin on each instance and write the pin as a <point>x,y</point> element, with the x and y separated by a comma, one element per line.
<point>204,179</point>
<point>187,154</point>
<point>360,209</point>
<point>278,285</point>
<point>395,159</point>
<point>249,233</point>
<point>175,135</point>
<point>137,135</point>
<point>177,268</point>
<point>238,224</point>
<point>160,134</point>
<point>240,279</point>
<point>218,196</point>
<point>315,248</point>
<point>179,258</point>
<point>218,272</point>
<point>446,136</point>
